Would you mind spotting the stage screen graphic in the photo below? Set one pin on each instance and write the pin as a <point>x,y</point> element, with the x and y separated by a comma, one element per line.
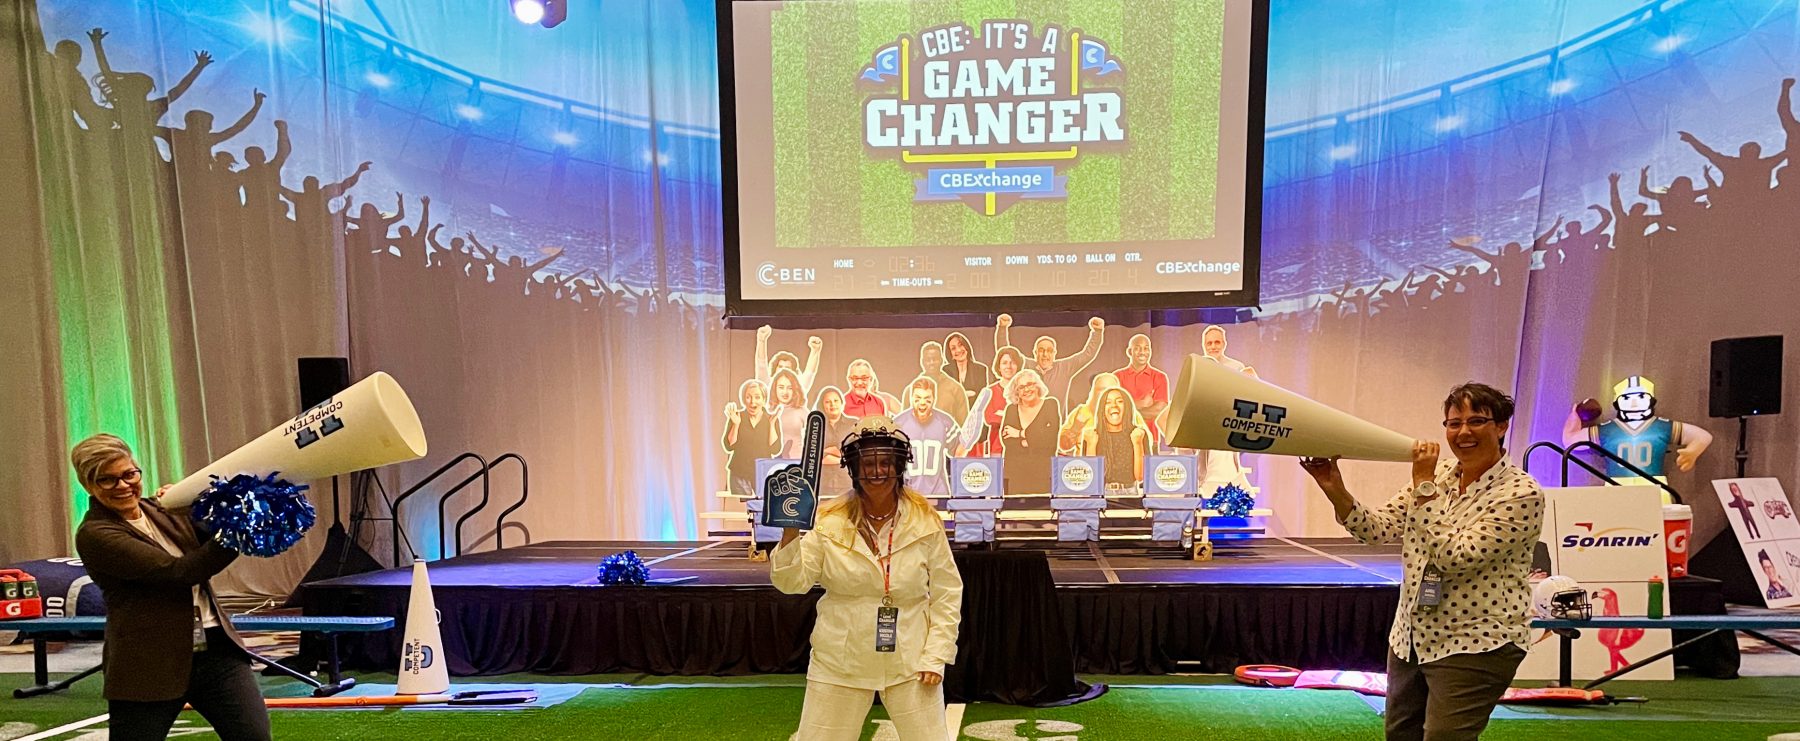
<point>943,157</point>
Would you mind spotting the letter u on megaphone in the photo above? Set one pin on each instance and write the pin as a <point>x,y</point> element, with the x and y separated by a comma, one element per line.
<point>368,425</point>
<point>1217,408</point>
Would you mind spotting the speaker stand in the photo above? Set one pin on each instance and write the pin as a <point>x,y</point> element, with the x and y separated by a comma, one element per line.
<point>1743,453</point>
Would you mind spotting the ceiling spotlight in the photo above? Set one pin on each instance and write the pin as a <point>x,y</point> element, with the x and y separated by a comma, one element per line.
<point>528,11</point>
<point>555,12</point>
<point>546,13</point>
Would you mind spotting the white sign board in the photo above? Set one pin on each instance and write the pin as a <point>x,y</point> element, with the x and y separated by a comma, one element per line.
<point>1767,530</point>
<point>1610,539</point>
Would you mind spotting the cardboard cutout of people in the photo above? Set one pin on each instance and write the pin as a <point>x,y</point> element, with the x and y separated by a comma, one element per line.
<point>952,398</point>
<point>864,397</point>
<point>838,425</point>
<point>931,432</point>
<point>1057,374</point>
<point>1212,341</point>
<point>1116,433</point>
<point>766,366</point>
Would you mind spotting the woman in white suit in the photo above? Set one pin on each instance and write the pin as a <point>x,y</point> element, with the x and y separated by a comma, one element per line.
<point>893,597</point>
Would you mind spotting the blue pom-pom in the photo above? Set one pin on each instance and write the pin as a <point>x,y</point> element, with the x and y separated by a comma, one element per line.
<point>624,568</point>
<point>1231,501</point>
<point>255,516</point>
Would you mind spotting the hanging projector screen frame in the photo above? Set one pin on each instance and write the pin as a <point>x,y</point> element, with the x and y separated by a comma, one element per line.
<point>739,308</point>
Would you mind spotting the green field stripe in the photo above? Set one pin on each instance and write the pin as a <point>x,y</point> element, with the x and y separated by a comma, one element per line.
<point>834,169</point>
<point>977,226</point>
<point>788,32</point>
<point>1148,54</point>
<point>936,222</point>
<point>1194,133</point>
<point>1094,193</point>
<point>1041,221</point>
<point>887,189</point>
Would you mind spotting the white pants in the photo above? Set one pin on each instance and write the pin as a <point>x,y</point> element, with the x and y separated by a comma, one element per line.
<point>836,713</point>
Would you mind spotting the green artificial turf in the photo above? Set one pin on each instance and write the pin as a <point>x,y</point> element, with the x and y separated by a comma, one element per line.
<point>718,708</point>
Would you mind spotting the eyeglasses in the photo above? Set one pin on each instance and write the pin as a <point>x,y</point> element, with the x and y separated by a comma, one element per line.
<point>128,477</point>
<point>1473,423</point>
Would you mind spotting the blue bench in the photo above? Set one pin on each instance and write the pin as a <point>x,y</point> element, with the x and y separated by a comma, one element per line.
<point>1750,625</point>
<point>330,627</point>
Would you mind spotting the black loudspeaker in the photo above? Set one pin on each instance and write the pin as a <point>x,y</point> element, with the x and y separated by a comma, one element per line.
<point>1746,376</point>
<point>322,377</point>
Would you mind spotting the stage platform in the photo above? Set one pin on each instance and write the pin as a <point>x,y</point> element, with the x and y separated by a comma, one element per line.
<point>1279,562</point>
<point>1122,607</point>
<point>1126,607</point>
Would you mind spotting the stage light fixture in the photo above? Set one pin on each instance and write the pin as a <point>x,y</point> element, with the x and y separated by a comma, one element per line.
<point>555,12</point>
<point>546,13</point>
<point>528,11</point>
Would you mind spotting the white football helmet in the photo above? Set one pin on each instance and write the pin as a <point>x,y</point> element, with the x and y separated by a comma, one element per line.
<point>1560,598</point>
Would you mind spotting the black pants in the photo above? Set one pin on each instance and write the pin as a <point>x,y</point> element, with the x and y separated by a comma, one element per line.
<point>1448,699</point>
<point>221,688</point>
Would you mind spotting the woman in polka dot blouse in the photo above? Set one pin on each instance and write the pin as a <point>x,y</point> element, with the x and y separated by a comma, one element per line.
<point>1466,530</point>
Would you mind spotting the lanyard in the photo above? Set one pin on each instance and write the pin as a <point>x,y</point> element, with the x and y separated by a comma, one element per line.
<point>887,563</point>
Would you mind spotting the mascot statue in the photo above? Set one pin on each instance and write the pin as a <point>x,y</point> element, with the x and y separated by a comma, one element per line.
<point>1635,433</point>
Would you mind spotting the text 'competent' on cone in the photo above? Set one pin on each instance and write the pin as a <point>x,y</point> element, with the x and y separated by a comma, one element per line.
<point>1217,408</point>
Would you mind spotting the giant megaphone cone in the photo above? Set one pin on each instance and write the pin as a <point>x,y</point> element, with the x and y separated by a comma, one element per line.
<point>370,424</point>
<point>1217,408</point>
<point>422,667</point>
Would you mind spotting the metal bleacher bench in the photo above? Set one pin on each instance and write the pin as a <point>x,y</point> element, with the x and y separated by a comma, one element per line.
<point>36,628</point>
<point>1569,630</point>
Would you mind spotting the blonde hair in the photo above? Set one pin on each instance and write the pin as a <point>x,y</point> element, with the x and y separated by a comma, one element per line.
<point>744,393</point>
<point>92,454</point>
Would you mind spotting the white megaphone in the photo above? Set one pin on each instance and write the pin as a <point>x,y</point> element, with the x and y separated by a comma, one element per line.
<point>422,667</point>
<point>370,424</point>
<point>1217,408</point>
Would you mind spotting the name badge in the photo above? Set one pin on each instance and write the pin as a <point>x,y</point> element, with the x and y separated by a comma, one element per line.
<point>886,628</point>
<point>199,632</point>
<point>1431,588</point>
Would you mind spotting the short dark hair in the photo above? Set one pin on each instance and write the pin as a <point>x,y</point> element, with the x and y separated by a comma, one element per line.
<point>1763,555</point>
<point>1481,398</point>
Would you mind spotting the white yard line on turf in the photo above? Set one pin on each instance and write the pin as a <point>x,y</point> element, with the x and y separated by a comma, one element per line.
<point>953,715</point>
<point>59,730</point>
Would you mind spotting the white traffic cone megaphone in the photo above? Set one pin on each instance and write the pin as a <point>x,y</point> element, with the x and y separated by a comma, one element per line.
<point>368,425</point>
<point>422,667</point>
<point>1217,408</point>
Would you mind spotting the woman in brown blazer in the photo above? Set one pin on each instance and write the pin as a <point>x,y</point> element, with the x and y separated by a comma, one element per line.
<point>167,642</point>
